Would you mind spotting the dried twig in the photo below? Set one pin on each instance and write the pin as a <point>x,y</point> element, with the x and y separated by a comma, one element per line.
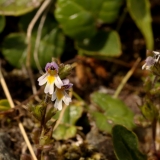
<point>29,33</point>
<point>125,79</point>
<point>38,38</point>
<point>7,93</point>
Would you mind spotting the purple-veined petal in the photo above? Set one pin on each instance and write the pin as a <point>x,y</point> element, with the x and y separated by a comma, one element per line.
<point>48,65</point>
<point>54,65</point>
<point>51,66</point>
<point>65,81</point>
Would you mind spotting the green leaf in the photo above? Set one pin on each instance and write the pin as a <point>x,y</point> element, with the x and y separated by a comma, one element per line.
<point>126,144</point>
<point>18,7</point>
<point>140,12</point>
<point>51,45</point>
<point>75,19</point>
<point>14,49</point>
<point>4,105</point>
<point>79,18</point>
<point>65,70</point>
<point>72,114</point>
<point>149,111</point>
<point>114,111</point>
<point>2,23</point>
<point>102,44</point>
<point>67,128</point>
<point>64,132</point>
<point>110,10</point>
<point>101,121</point>
<point>38,111</point>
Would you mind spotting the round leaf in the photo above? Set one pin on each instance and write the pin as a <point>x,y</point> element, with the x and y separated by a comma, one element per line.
<point>102,44</point>
<point>75,19</point>
<point>13,49</point>
<point>114,112</point>
<point>67,128</point>
<point>17,7</point>
<point>64,132</point>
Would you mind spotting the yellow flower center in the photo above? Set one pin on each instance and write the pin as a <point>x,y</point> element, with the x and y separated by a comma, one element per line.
<point>59,94</point>
<point>52,72</point>
<point>50,79</point>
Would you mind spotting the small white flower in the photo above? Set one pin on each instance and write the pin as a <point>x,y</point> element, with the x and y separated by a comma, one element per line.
<point>61,95</point>
<point>50,77</point>
<point>150,61</point>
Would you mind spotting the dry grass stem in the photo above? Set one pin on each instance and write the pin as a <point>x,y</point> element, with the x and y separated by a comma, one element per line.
<point>125,79</point>
<point>38,38</point>
<point>29,33</point>
<point>7,93</point>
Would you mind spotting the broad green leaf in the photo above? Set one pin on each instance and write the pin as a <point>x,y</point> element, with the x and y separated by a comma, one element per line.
<point>140,12</point>
<point>67,128</point>
<point>4,105</point>
<point>17,7</point>
<point>2,23</point>
<point>110,10</point>
<point>79,18</point>
<point>51,45</point>
<point>14,49</point>
<point>101,121</point>
<point>102,44</point>
<point>126,144</point>
<point>114,111</point>
<point>75,19</point>
<point>64,132</point>
<point>72,114</point>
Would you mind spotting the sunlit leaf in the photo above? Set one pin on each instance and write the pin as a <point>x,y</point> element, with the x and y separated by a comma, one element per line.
<point>72,114</point>
<point>4,105</point>
<point>64,132</point>
<point>140,12</point>
<point>110,10</point>
<point>126,144</point>
<point>79,18</point>
<point>101,121</point>
<point>75,19</point>
<point>102,44</point>
<point>18,7</point>
<point>114,111</point>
